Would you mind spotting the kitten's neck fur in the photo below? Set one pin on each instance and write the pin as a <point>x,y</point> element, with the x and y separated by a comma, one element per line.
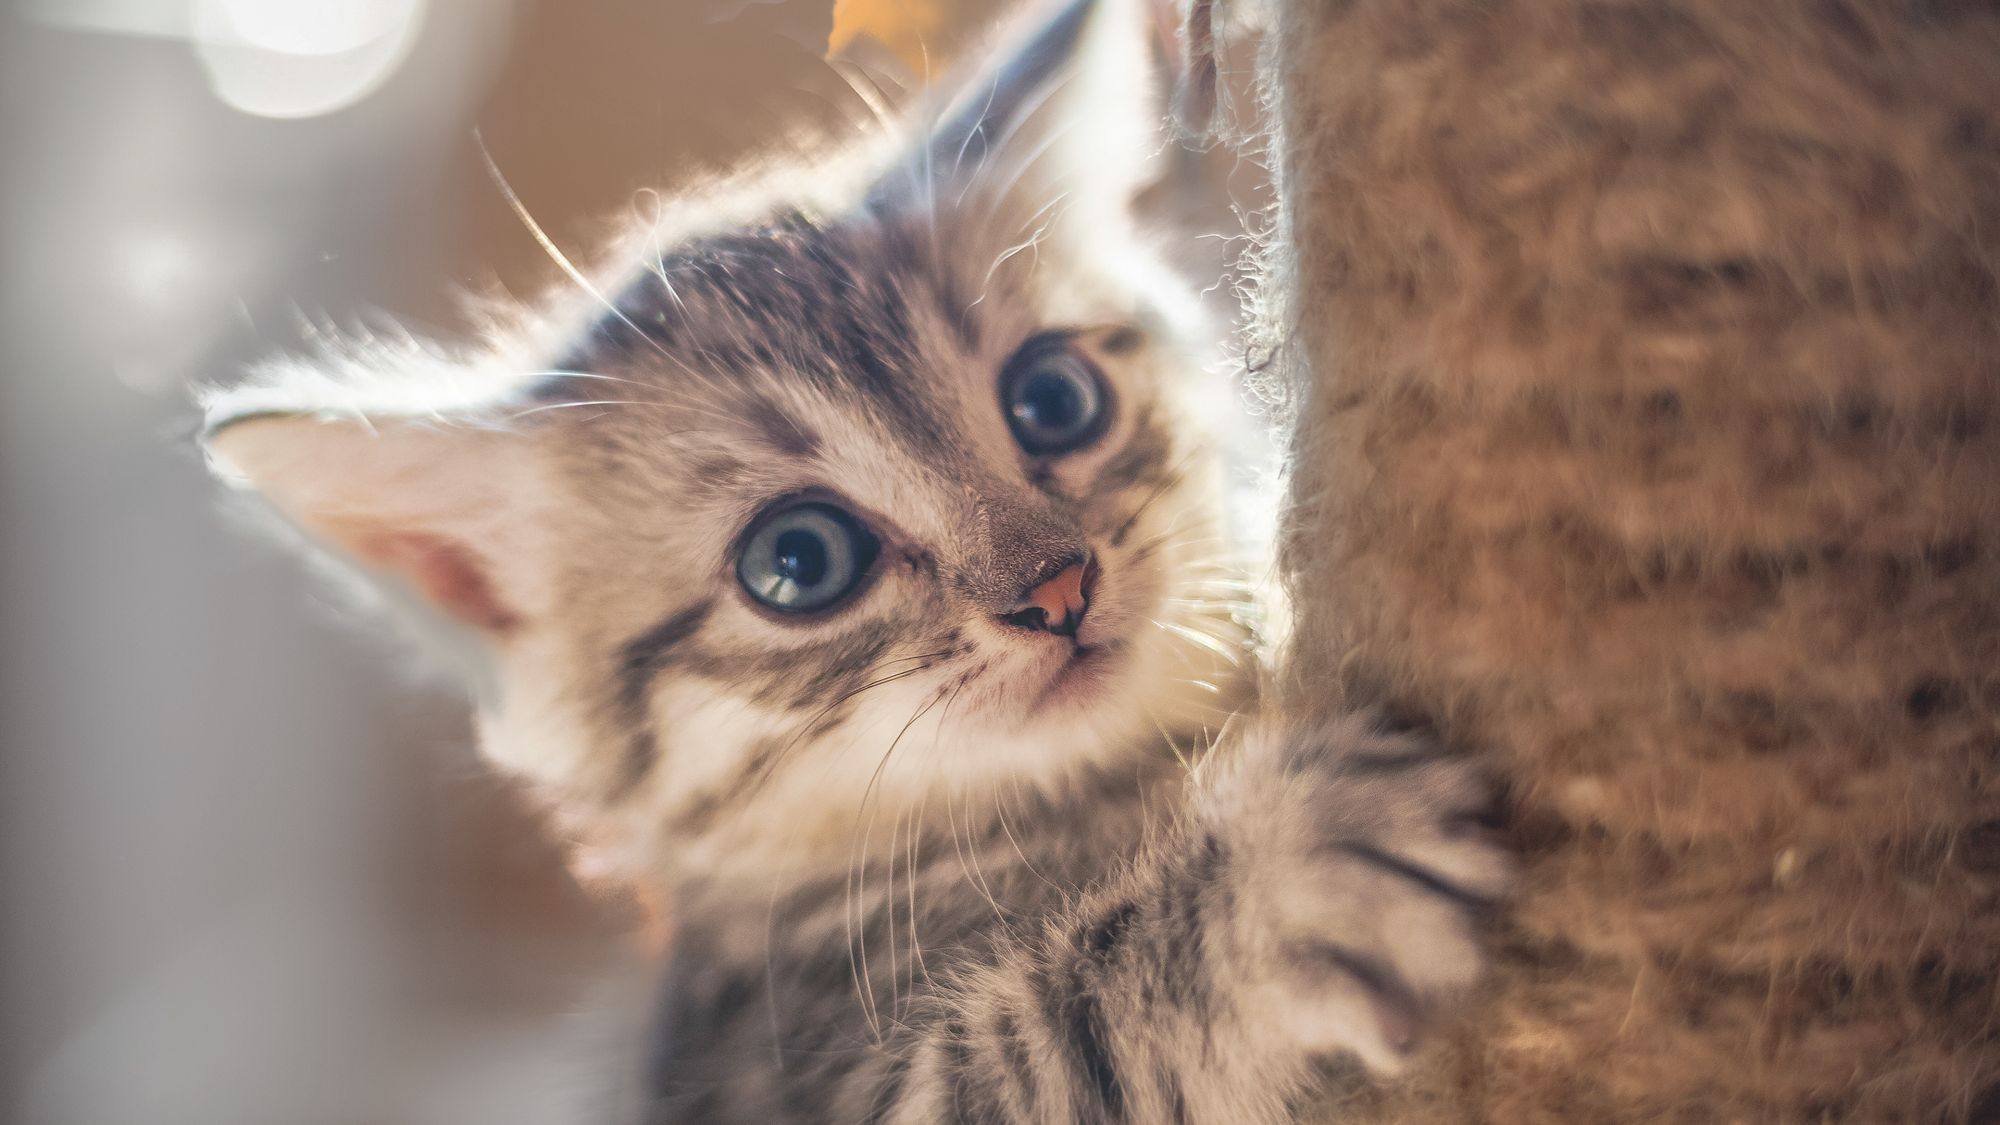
<point>725,886</point>
<point>785,837</point>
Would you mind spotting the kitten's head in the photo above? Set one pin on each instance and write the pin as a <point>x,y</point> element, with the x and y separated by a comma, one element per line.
<point>863,500</point>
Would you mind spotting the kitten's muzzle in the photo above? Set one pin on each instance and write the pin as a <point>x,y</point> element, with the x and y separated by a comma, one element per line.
<point>1056,604</point>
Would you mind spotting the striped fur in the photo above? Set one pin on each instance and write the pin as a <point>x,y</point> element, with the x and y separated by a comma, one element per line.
<point>1150,946</point>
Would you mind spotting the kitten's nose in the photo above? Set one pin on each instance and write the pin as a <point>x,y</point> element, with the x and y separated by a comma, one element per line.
<point>1056,604</point>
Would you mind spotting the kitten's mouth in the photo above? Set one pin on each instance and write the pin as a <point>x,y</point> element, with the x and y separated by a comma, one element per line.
<point>1077,679</point>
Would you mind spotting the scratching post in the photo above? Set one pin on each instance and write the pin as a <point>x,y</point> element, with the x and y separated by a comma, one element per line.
<point>1647,359</point>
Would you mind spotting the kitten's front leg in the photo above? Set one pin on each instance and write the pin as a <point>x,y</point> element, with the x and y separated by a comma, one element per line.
<point>1320,896</point>
<point>1362,868</point>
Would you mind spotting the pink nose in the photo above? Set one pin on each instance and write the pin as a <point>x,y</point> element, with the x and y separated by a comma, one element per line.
<point>1057,604</point>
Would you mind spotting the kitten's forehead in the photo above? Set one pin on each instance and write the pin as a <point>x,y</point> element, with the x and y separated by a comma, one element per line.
<point>779,317</point>
<point>858,355</point>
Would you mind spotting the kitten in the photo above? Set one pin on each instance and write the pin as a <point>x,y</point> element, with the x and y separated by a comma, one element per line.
<point>851,573</point>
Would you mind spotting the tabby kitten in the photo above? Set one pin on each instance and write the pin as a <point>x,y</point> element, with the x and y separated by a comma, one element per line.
<point>850,572</point>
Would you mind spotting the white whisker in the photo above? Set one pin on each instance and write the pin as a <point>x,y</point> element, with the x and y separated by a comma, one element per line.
<point>554,252</point>
<point>870,99</point>
<point>1219,647</point>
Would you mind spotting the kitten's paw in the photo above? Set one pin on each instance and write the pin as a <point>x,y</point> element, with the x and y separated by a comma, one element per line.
<point>1365,868</point>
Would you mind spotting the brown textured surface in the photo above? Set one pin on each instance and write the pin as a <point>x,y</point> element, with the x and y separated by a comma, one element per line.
<point>1654,453</point>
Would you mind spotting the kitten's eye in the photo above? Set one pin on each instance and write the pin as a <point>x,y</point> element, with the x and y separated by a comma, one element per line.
<point>1053,396</point>
<point>805,557</point>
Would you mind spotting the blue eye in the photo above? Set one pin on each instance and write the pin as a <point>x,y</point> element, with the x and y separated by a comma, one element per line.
<point>1054,398</point>
<point>805,557</point>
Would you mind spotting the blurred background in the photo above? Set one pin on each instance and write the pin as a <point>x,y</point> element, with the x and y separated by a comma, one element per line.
<point>253,871</point>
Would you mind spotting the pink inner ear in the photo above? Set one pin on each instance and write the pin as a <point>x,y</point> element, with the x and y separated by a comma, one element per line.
<point>443,570</point>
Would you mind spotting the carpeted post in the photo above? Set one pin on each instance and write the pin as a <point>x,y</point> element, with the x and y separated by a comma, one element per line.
<point>1650,388</point>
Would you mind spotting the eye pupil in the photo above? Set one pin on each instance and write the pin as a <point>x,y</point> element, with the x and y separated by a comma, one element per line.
<point>1053,396</point>
<point>1049,402</point>
<point>801,557</point>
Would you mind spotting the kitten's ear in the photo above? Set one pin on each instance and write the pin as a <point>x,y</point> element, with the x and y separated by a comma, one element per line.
<point>1065,124</point>
<point>434,490</point>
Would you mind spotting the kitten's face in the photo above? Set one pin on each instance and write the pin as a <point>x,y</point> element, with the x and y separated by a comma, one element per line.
<point>830,515</point>
<point>855,510</point>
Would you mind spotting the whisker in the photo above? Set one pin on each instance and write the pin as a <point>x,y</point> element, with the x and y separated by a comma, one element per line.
<point>871,99</point>
<point>554,374</point>
<point>659,264</point>
<point>1212,603</point>
<point>974,878</point>
<point>999,189</point>
<point>1008,831</point>
<point>868,833</point>
<point>676,408</point>
<point>999,144</point>
<point>547,406</point>
<point>972,849</point>
<point>958,162</point>
<point>1219,647</point>
<point>858,877</point>
<point>917,820</point>
<point>1033,242</point>
<point>554,252</point>
<point>805,728</point>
